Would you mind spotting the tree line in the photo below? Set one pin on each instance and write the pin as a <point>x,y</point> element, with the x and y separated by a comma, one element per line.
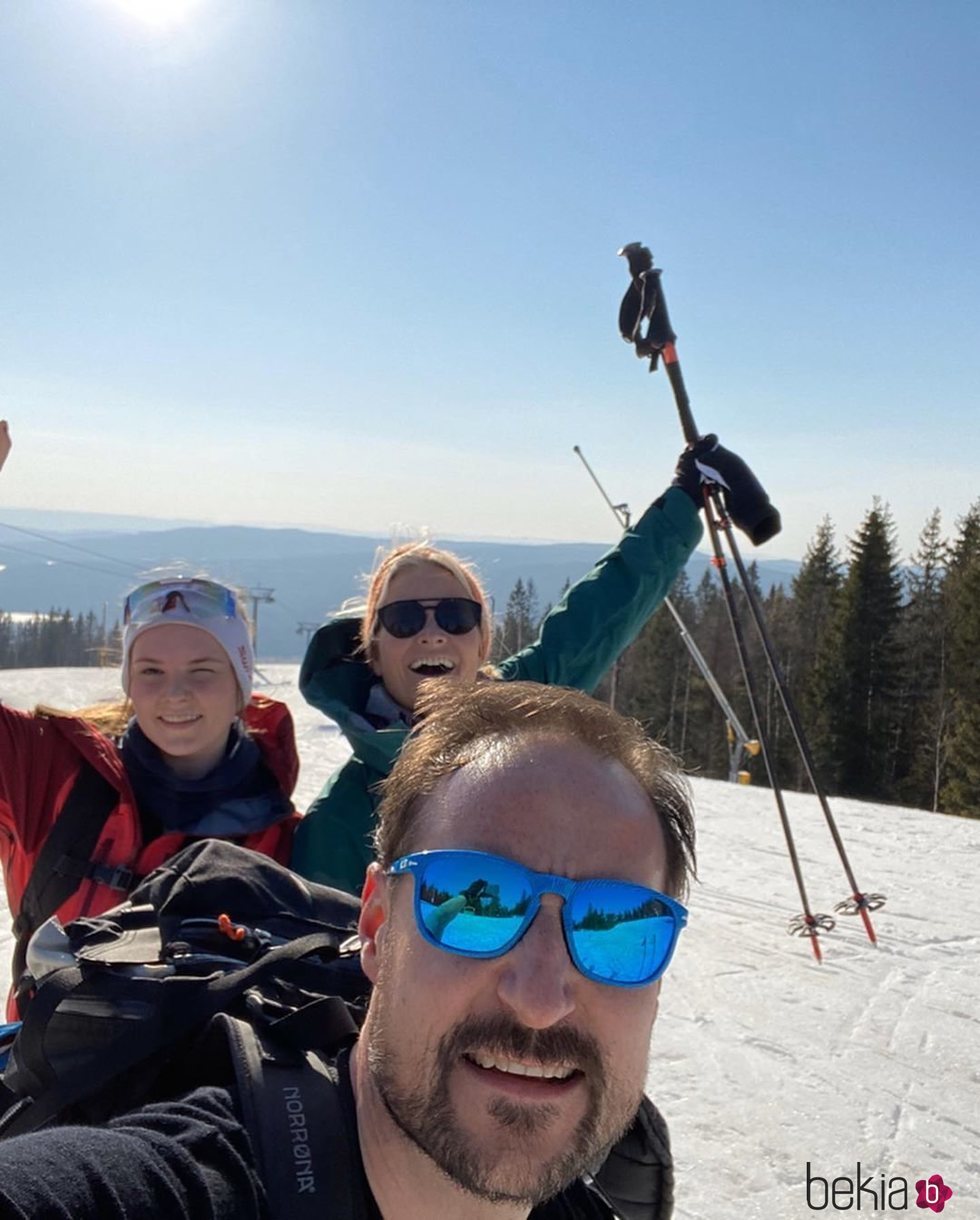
<point>57,638</point>
<point>882,659</point>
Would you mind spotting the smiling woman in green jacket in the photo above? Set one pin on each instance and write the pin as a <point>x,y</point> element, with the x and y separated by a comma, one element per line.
<point>426,615</point>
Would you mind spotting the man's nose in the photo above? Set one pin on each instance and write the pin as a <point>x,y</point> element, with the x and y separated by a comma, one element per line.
<point>537,978</point>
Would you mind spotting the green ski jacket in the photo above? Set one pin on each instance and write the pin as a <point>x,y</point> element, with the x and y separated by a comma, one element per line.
<point>595,621</point>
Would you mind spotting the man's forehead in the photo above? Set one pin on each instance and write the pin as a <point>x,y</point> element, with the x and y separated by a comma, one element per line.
<point>498,761</point>
<point>552,801</point>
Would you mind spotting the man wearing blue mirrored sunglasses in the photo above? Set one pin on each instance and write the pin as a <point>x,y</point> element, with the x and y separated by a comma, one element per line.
<point>532,850</point>
<point>532,847</point>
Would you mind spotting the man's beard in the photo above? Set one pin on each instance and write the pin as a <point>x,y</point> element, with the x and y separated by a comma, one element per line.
<point>422,1108</point>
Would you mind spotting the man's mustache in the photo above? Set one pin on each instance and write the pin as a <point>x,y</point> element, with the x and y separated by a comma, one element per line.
<point>559,1046</point>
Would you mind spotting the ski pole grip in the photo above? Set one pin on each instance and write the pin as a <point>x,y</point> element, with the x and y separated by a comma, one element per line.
<point>645,302</point>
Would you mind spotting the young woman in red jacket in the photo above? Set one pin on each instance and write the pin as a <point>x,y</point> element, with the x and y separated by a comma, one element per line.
<point>90,802</point>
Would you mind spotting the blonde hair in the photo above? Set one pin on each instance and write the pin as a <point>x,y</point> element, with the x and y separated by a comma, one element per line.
<point>113,716</point>
<point>418,555</point>
<point>456,723</point>
<point>110,717</point>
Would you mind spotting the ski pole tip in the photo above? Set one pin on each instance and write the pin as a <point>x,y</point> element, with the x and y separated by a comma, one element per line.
<point>869,927</point>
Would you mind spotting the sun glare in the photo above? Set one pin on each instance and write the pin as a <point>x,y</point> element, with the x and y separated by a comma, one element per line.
<point>160,14</point>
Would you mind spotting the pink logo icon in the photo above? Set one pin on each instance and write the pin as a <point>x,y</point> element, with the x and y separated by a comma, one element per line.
<point>933,1193</point>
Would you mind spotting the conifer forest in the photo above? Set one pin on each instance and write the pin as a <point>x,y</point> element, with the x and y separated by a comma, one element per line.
<point>57,638</point>
<point>881,653</point>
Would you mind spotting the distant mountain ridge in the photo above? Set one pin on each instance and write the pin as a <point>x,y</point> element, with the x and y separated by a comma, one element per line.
<point>69,521</point>
<point>311,572</point>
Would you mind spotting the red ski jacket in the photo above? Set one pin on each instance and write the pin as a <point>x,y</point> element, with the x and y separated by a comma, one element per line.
<point>40,758</point>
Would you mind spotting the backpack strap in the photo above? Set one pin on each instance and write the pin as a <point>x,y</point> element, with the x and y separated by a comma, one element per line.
<point>65,861</point>
<point>291,1106</point>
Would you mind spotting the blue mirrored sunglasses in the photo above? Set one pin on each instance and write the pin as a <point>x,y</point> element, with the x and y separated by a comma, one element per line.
<point>192,595</point>
<point>480,905</point>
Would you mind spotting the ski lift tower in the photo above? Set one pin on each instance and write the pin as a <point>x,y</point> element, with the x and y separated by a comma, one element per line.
<point>307,629</point>
<point>258,597</point>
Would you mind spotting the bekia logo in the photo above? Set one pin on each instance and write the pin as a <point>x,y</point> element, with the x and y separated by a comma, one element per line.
<point>933,1193</point>
<point>870,1193</point>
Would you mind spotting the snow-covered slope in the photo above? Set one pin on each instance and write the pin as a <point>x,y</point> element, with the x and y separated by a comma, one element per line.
<point>762,1060</point>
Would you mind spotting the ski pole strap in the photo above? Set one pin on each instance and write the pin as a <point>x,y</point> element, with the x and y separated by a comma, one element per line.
<point>644,302</point>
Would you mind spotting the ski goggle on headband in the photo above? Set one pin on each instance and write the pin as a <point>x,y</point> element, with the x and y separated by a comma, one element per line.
<point>190,597</point>
<point>454,615</point>
<point>480,905</point>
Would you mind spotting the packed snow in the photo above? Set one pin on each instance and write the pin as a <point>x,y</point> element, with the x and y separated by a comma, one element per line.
<point>763,1060</point>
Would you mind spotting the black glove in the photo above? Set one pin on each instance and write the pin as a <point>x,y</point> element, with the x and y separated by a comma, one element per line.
<point>745,498</point>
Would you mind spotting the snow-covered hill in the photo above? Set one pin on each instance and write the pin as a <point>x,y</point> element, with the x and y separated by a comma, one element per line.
<point>762,1060</point>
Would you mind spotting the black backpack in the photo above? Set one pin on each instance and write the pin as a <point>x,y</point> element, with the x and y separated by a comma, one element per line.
<point>225,968</point>
<point>222,967</point>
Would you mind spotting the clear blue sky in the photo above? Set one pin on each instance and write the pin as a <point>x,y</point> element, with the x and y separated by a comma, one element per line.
<point>351,264</point>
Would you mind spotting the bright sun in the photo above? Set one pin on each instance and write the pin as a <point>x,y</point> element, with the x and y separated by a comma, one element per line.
<point>157,13</point>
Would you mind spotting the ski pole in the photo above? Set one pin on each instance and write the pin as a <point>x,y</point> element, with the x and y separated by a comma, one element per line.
<point>806,924</point>
<point>743,743</point>
<point>644,301</point>
<point>857,903</point>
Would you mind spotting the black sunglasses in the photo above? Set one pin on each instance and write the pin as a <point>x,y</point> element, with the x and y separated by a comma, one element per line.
<point>455,615</point>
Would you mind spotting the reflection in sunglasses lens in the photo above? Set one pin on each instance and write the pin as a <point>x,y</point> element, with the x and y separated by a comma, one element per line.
<point>473,905</point>
<point>621,932</point>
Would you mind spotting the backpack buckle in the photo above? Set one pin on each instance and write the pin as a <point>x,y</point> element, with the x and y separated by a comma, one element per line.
<point>115,878</point>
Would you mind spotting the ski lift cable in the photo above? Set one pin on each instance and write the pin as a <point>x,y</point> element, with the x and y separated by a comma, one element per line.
<point>74,563</point>
<point>72,546</point>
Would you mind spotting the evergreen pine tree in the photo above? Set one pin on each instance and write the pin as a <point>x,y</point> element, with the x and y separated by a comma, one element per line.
<point>961,792</point>
<point>857,670</point>
<point>655,670</point>
<point>113,644</point>
<point>815,591</point>
<point>520,625</point>
<point>783,755</point>
<point>925,698</point>
<point>703,727</point>
<point>7,638</point>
